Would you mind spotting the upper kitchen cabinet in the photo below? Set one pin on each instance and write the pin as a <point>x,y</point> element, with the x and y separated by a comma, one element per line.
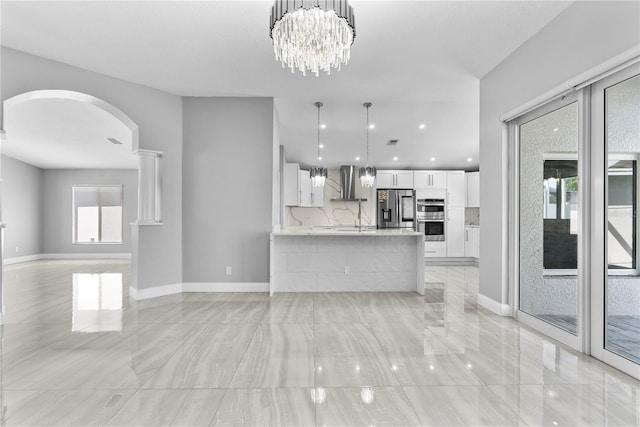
<point>473,189</point>
<point>291,184</point>
<point>304,187</point>
<point>394,179</point>
<point>298,190</point>
<point>456,188</point>
<point>317,197</point>
<point>430,179</point>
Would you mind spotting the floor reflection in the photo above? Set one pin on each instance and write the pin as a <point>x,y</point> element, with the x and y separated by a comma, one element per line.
<point>97,302</point>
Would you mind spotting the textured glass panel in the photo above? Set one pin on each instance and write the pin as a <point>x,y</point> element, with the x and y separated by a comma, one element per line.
<point>548,217</point>
<point>622,304</point>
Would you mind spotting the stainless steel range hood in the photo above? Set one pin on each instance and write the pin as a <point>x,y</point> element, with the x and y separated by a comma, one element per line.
<point>348,184</point>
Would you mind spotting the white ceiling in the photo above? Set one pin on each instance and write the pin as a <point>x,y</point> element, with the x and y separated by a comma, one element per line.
<point>65,133</point>
<point>417,61</point>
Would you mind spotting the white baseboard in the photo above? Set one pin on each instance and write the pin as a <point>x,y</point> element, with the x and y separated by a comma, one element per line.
<point>87,256</point>
<point>36,257</point>
<point>176,288</point>
<point>19,259</point>
<point>494,306</point>
<point>452,261</point>
<point>225,287</point>
<point>155,291</point>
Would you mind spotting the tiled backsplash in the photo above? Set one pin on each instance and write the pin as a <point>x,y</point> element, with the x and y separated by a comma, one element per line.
<point>472,216</point>
<point>334,212</point>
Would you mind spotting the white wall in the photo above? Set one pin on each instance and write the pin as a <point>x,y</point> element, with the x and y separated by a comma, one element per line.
<point>159,117</point>
<point>583,36</point>
<point>22,192</point>
<point>58,213</point>
<point>227,188</point>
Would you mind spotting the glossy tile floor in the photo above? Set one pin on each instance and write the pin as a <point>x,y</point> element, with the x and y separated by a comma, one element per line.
<point>76,352</point>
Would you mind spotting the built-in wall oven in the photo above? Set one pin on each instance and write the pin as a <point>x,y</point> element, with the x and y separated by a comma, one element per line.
<point>430,216</point>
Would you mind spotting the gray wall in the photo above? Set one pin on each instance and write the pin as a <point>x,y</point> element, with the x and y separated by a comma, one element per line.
<point>58,213</point>
<point>22,191</point>
<point>159,117</point>
<point>583,36</point>
<point>227,187</point>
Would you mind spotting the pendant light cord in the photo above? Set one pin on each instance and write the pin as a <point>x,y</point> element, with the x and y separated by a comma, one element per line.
<point>319,104</point>
<point>367,105</point>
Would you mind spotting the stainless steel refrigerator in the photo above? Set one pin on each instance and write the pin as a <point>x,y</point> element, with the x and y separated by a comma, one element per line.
<point>396,208</point>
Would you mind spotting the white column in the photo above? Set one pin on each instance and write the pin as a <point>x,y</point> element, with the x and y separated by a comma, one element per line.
<point>149,187</point>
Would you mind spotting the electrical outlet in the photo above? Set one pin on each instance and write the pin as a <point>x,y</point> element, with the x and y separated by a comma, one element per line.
<point>347,269</point>
<point>17,248</point>
<point>227,270</point>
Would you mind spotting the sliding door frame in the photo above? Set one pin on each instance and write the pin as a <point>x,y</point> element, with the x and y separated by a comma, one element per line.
<point>579,341</point>
<point>598,211</point>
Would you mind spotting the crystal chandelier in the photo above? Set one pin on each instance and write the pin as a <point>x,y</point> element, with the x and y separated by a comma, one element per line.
<point>318,174</point>
<point>312,35</point>
<point>368,173</point>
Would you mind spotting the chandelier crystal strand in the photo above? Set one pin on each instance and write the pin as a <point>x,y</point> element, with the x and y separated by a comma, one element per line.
<point>368,173</point>
<point>313,38</point>
<point>318,174</point>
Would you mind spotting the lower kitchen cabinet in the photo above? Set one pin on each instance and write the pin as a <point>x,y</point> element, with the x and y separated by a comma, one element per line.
<point>472,242</point>
<point>454,232</point>
<point>435,249</point>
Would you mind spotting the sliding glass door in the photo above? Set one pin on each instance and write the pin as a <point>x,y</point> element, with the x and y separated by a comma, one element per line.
<point>615,282</point>
<point>549,227</point>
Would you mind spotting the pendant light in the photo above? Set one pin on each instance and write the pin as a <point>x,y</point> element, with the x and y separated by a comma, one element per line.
<point>318,174</point>
<point>368,173</point>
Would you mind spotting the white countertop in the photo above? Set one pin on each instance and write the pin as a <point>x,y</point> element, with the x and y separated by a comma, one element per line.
<point>329,231</point>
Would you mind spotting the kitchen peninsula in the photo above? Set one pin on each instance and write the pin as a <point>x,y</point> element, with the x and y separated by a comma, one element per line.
<point>326,259</point>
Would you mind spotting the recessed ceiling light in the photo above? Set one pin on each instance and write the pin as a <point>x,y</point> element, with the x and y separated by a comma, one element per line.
<point>395,158</point>
<point>433,159</point>
<point>372,126</point>
<point>323,126</point>
<point>321,145</point>
<point>469,159</point>
<point>556,130</point>
<point>422,126</point>
<point>358,158</point>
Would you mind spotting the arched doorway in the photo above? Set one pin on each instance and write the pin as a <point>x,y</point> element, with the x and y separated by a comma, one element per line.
<point>59,130</point>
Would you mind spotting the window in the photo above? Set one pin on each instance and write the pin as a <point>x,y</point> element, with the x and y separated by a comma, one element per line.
<point>621,213</point>
<point>560,190</point>
<point>97,214</point>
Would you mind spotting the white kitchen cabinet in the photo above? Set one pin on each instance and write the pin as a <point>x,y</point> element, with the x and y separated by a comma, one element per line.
<point>455,231</point>
<point>394,179</point>
<point>435,249</point>
<point>304,189</point>
<point>473,189</point>
<point>317,196</point>
<point>298,190</point>
<point>472,242</point>
<point>456,189</point>
<point>291,184</point>
<point>430,179</point>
